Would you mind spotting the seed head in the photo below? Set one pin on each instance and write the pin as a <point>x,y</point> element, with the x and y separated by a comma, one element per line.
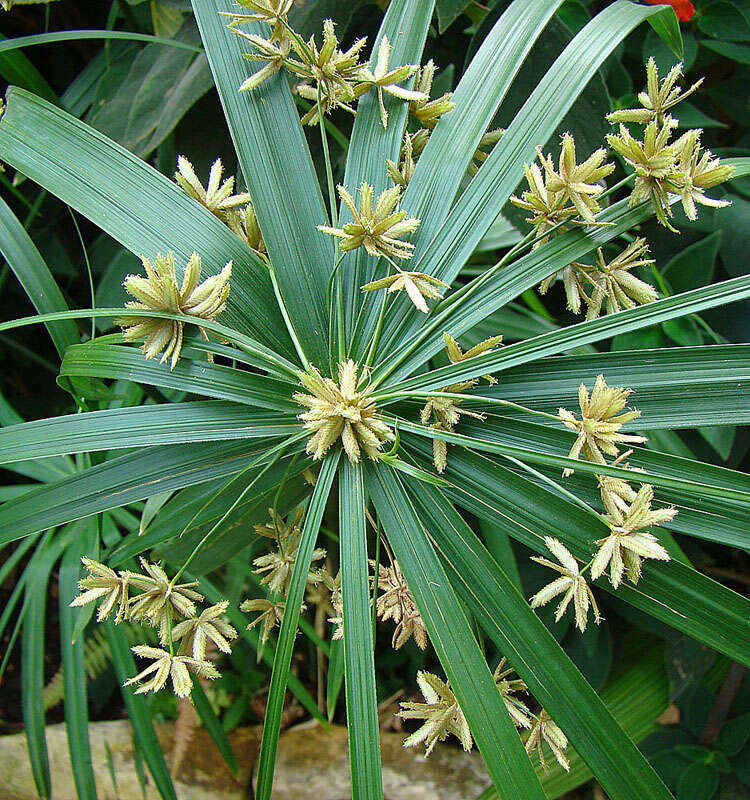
<point>159,291</point>
<point>571,584</point>
<point>487,142</point>
<point>341,411</point>
<point>657,100</point>
<point>602,416</point>
<point>411,148</point>
<point>165,666</point>
<point>380,228</point>
<point>508,688</point>
<point>697,171</point>
<point>428,112</point>
<point>545,729</point>
<point>210,625</point>
<point>274,12</point>
<point>441,712</point>
<point>397,603</point>
<point>417,285</point>
<point>384,80</point>
<point>630,541</point>
<point>548,208</point>
<point>104,584</point>
<point>270,614</point>
<point>217,197</point>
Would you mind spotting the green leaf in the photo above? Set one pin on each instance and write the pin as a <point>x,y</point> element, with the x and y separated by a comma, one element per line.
<point>213,726</point>
<point>285,644</point>
<point>477,207</point>
<point>725,20</point>
<point>279,172</point>
<point>669,591</point>
<point>34,275</point>
<point>448,12</point>
<point>698,782</point>
<point>674,387</point>
<point>549,673</point>
<point>335,677</point>
<point>142,209</point>
<point>74,674</point>
<point>78,35</point>
<point>142,426</point>
<point>667,27</point>
<point>138,712</point>
<point>359,666</point>
<point>120,481</point>
<point>17,70</point>
<point>693,266</point>
<point>453,640</point>
<point>104,360</point>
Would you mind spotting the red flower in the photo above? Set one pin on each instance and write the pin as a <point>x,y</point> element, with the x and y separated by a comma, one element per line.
<point>683,8</point>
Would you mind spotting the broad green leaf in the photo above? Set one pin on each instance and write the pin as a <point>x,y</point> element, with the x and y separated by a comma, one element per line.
<point>359,666</point>
<point>667,28</point>
<point>142,426</point>
<point>142,209</point>
<point>693,266</point>
<point>120,481</point>
<point>674,388</point>
<point>35,277</point>
<point>477,207</point>
<point>279,172</point>
<point>549,673</point>
<point>138,711</point>
<point>74,674</point>
<point>285,644</point>
<point>669,591</point>
<point>103,360</point>
<point>451,636</point>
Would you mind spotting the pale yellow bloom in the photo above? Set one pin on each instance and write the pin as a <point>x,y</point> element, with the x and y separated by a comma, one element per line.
<point>697,171</point>
<point>508,688</point>
<point>274,12</point>
<point>428,112</point>
<point>217,197</point>
<point>571,584</point>
<point>159,291</point>
<point>545,729</point>
<point>210,625</point>
<point>417,285</point>
<point>548,208</point>
<point>270,615</point>
<point>441,712</point>
<point>166,666</point>
<point>341,411</point>
<point>602,416</point>
<point>397,603</point>
<point>104,584</point>
<point>379,227</point>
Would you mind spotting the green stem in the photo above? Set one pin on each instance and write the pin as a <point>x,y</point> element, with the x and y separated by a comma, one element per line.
<point>381,398</point>
<point>378,329</point>
<point>88,270</point>
<point>287,321</point>
<point>276,452</point>
<point>329,168</point>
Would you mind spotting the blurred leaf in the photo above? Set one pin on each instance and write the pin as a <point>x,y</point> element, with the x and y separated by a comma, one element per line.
<point>725,20</point>
<point>698,782</point>
<point>448,12</point>
<point>694,266</point>
<point>664,55</point>
<point>692,117</point>
<point>167,19</point>
<point>733,50</point>
<point>734,735</point>
<point>574,14</point>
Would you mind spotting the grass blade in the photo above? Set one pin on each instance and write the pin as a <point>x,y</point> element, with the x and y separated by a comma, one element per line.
<point>453,640</point>
<point>285,644</point>
<point>359,665</point>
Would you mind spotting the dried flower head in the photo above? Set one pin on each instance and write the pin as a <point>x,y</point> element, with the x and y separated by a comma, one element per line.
<point>575,278</point>
<point>244,223</point>
<point>270,614</point>
<point>602,417</point>
<point>217,197</point>
<point>417,285</point>
<point>341,411</point>
<point>380,228</point>
<point>166,666</point>
<point>571,584</point>
<point>457,355</point>
<point>274,12</point>
<point>441,712</point>
<point>547,208</point>
<point>630,541</point>
<point>210,625</point>
<point>508,688</point>
<point>384,80</point>
<point>160,603</point>
<point>279,564</point>
<point>428,112</point>
<point>337,603</point>
<point>619,491</point>
<point>580,182</point>
<point>545,729</point>
<point>613,281</point>
<point>159,291</point>
<point>697,171</point>
<point>103,583</point>
<point>396,603</point>
<point>654,161</point>
<point>445,414</point>
<point>411,148</point>
<point>657,100</point>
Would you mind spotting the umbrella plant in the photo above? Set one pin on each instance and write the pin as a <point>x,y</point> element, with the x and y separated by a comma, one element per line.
<point>312,323</point>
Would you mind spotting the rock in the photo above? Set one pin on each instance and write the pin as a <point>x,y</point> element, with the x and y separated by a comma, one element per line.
<point>312,761</point>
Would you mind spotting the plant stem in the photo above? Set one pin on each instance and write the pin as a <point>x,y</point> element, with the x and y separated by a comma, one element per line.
<point>329,168</point>
<point>287,321</point>
<point>88,270</point>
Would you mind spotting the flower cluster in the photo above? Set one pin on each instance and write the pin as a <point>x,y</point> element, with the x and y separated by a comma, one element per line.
<point>444,413</point>
<point>327,75</point>
<point>341,411</point>
<point>150,597</point>
<point>628,514</point>
<point>234,210</point>
<point>442,716</point>
<point>160,291</point>
<point>396,603</point>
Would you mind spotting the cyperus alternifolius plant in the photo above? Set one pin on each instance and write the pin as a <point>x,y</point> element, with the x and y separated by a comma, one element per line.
<point>329,401</point>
